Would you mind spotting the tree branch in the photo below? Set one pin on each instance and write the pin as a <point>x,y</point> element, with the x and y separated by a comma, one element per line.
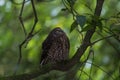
<point>89,34</point>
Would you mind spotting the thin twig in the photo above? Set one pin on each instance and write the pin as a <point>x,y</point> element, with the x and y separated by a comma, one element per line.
<point>20,46</point>
<point>91,52</point>
<point>102,39</point>
<point>85,74</point>
<point>100,69</point>
<point>36,19</point>
<point>83,63</point>
<point>109,42</point>
<point>29,35</point>
<point>71,10</point>
<point>20,17</point>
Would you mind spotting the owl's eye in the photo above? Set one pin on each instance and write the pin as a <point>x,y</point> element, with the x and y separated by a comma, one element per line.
<point>58,32</point>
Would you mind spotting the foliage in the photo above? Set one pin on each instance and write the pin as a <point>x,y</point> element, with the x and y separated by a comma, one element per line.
<point>100,61</point>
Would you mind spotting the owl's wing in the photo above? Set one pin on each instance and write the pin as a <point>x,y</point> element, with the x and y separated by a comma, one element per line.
<point>67,43</point>
<point>45,48</point>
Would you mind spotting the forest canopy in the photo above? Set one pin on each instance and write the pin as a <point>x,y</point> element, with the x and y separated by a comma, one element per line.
<point>93,29</point>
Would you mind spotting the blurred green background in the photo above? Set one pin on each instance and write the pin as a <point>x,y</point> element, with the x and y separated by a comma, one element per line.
<point>50,15</point>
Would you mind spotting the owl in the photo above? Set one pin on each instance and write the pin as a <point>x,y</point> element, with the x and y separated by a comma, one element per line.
<point>55,47</point>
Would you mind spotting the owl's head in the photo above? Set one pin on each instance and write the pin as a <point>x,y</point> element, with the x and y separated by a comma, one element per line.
<point>57,32</point>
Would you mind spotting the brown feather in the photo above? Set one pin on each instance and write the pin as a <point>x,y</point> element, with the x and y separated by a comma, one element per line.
<point>55,47</point>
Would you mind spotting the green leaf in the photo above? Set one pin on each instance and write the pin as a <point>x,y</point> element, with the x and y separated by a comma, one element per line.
<point>73,26</point>
<point>71,2</point>
<point>100,26</point>
<point>64,9</point>
<point>81,20</point>
<point>86,28</point>
<point>115,26</point>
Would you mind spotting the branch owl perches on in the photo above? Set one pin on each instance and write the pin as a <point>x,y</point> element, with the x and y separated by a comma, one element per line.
<point>55,47</point>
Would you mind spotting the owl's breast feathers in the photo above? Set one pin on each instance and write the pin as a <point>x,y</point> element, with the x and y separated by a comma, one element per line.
<point>55,47</point>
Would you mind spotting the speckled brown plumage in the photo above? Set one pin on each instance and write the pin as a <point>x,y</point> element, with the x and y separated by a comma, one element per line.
<point>55,47</point>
